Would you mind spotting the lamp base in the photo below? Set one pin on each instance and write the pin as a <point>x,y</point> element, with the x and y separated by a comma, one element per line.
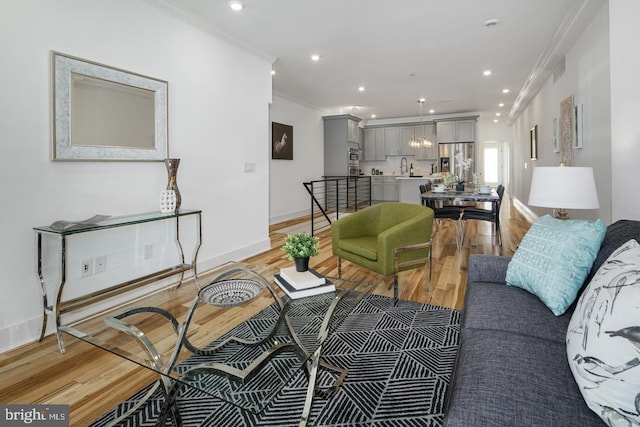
<point>561,213</point>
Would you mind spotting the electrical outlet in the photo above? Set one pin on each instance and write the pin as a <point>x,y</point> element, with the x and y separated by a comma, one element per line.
<point>86,268</point>
<point>100,264</point>
<point>148,251</point>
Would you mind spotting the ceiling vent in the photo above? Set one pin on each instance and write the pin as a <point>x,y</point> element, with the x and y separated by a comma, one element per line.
<point>560,68</point>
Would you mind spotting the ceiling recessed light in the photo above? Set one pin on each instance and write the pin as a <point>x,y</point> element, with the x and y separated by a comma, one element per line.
<point>373,116</point>
<point>487,72</point>
<point>501,104</point>
<point>498,114</point>
<point>421,100</point>
<point>495,120</point>
<point>505,90</point>
<point>273,72</point>
<point>490,22</point>
<point>315,57</point>
<point>432,111</point>
<point>361,88</point>
<point>236,5</point>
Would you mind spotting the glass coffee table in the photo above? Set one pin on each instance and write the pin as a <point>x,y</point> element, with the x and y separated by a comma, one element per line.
<point>233,339</point>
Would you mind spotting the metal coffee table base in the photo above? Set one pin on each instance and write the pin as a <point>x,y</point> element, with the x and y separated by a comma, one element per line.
<point>172,386</point>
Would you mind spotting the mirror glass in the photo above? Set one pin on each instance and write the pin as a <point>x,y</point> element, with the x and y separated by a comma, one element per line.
<point>104,113</point>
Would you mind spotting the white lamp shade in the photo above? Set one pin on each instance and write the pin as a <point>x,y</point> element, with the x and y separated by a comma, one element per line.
<point>563,187</point>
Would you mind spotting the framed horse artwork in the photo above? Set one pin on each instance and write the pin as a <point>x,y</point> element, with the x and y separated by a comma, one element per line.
<point>282,141</point>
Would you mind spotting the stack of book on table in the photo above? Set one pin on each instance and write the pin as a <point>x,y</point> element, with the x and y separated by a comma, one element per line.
<point>300,284</point>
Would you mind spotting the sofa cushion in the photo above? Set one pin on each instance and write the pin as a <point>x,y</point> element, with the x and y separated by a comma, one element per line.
<point>603,338</point>
<point>506,379</point>
<point>365,246</point>
<point>505,308</point>
<point>554,258</point>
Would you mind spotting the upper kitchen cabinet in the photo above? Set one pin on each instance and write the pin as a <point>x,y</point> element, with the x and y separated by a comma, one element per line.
<point>456,130</point>
<point>392,140</point>
<point>374,144</point>
<point>397,140</point>
<point>406,135</point>
<point>427,153</point>
<point>353,130</point>
<point>340,134</point>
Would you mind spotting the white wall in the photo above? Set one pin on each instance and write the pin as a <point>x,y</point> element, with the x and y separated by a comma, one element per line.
<point>288,197</point>
<point>587,79</point>
<point>625,92</point>
<point>211,128</point>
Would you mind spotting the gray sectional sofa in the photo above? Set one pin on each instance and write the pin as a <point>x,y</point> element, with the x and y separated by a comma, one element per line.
<point>512,367</point>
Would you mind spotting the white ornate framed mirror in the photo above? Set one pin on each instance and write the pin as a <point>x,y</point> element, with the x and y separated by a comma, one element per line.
<point>103,113</point>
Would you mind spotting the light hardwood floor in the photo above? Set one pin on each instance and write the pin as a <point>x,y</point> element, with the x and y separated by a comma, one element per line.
<point>92,381</point>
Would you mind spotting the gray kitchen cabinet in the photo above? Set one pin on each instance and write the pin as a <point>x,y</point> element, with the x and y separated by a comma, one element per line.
<point>456,130</point>
<point>397,140</point>
<point>406,134</point>
<point>427,153</point>
<point>337,141</point>
<point>352,130</point>
<point>377,193</point>
<point>381,144</point>
<point>392,140</point>
<point>374,144</point>
<point>384,188</point>
<point>390,189</point>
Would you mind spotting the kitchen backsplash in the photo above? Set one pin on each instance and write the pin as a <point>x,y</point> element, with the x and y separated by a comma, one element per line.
<point>392,164</point>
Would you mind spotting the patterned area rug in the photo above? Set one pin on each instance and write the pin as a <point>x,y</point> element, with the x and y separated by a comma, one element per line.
<point>400,359</point>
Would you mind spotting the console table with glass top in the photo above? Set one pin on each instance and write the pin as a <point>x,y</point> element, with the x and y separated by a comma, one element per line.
<point>60,306</point>
<point>238,338</point>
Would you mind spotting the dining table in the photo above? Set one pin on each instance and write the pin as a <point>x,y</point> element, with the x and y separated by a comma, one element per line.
<point>454,196</point>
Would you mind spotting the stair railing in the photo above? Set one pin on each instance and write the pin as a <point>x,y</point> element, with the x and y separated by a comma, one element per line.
<point>332,197</point>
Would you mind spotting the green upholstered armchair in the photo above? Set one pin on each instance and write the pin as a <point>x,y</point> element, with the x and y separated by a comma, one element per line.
<point>386,238</point>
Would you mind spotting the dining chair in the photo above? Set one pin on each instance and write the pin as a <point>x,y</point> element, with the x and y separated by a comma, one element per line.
<point>491,215</point>
<point>440,212</point>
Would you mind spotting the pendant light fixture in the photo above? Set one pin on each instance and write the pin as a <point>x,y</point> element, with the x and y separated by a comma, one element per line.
<point>420,141</point>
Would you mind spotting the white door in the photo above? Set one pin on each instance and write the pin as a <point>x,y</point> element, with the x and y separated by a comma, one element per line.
<point>492,163</point>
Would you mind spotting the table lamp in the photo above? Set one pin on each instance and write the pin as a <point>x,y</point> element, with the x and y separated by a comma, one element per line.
<point>563,187</point>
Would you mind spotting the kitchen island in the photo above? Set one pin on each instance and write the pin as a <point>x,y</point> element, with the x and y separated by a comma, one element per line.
<point>409,187</point>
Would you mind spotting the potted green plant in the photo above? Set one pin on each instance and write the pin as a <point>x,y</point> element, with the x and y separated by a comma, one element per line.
<point>299,247</point>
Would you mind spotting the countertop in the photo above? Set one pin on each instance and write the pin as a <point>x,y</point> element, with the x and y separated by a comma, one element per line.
<point>409,177</point>
<point>403,177</point>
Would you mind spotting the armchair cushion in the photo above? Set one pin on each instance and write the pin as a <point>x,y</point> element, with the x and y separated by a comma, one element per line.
<point>365,246</point>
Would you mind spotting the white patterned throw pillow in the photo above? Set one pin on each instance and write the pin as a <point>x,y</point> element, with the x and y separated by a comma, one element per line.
<point>603,339</point>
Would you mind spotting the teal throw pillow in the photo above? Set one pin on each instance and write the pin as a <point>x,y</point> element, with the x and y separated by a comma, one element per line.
<point>554,258</point>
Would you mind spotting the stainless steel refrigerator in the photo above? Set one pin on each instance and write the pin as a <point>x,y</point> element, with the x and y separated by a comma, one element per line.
<point>452,158</point>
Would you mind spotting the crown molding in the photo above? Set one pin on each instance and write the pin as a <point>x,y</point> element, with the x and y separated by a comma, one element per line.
<point>575,19</point>
<point>195,21</point>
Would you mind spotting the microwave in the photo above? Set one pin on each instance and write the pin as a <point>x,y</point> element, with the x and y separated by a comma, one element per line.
<point>353,155</point>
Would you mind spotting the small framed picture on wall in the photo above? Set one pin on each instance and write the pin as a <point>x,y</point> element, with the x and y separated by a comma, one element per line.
<point>533,138</point>
<point>282,141</point>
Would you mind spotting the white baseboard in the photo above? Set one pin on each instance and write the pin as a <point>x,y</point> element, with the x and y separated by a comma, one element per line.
<point>25,332</point>
<point>524,210</point>
<point>288,216</point>
<point>13,336</point>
